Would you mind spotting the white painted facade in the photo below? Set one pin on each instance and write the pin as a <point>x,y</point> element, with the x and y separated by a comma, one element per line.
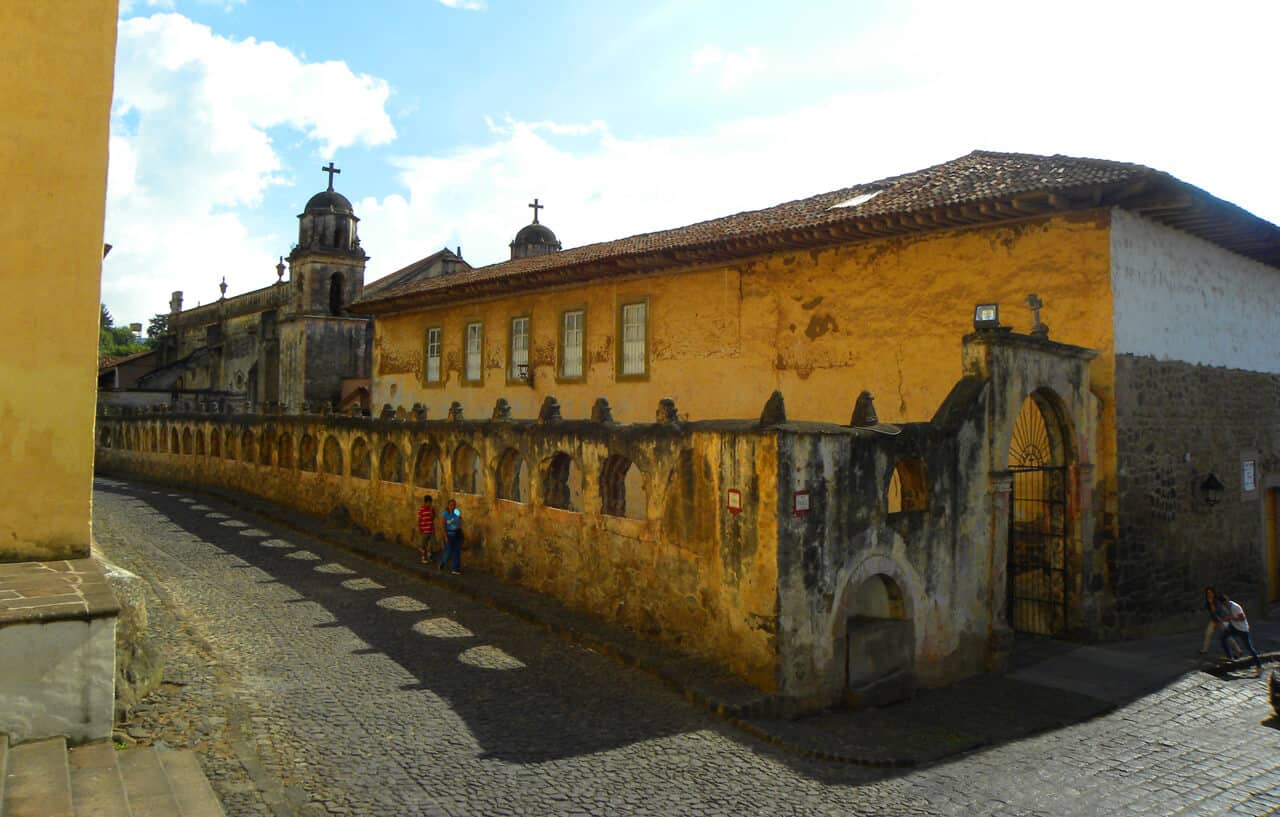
<point>1178,297</point>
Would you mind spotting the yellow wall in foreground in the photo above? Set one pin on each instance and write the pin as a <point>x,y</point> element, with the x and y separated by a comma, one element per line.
<point>55,102</point>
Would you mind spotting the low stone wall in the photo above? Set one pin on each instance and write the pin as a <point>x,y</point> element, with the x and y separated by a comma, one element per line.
<point>1178,423</point>
<point>627,522</point>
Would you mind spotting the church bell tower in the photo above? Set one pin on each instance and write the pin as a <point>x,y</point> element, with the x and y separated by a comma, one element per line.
<point>327,264</point>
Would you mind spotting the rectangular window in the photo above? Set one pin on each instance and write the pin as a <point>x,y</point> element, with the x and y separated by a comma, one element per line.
<point>634,354</point>
<point>571,324</point>
<point>475,346</point>
<point>518,365</point>
<point>433,355</point>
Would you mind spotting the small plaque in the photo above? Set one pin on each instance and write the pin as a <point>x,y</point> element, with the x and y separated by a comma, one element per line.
<point>734,501</point>
<point>800,503</point>
<point>1249,476</point>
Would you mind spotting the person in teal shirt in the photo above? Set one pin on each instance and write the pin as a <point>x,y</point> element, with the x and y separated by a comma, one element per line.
<point>452,518</point>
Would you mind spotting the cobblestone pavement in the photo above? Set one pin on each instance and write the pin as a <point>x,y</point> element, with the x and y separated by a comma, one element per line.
<point>314,682</point>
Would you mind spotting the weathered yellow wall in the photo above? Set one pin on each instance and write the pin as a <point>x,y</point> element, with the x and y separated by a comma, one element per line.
<point>882,315</point>
<point>686,572</point>
<point>55,102</point>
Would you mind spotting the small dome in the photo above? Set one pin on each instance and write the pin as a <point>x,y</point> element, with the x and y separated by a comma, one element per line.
<point>328,201</point>
<point>535,234</point>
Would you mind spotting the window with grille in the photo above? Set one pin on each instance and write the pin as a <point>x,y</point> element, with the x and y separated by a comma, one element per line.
<point>433,355</point>
<point>633,339</point>
<point>571,344</point>
<point>475,343</point>
<point>519,358</point>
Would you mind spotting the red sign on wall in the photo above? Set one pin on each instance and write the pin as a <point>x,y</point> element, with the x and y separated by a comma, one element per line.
<point>734,501</point>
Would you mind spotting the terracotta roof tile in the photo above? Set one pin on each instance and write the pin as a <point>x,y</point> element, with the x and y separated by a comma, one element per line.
<point>977,177</point>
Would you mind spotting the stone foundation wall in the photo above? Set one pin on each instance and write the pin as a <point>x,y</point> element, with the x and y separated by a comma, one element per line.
<point>1178,423</point>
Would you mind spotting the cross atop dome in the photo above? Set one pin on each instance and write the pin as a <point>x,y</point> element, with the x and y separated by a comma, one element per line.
<point>331,170</point>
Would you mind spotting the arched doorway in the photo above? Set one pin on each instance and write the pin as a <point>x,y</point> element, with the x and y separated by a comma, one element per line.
<point>1039,517</point>
<point>880,656</point>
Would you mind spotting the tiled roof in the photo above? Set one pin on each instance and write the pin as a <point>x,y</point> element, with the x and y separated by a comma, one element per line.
<point>979,187</point>
<point>108,361</point>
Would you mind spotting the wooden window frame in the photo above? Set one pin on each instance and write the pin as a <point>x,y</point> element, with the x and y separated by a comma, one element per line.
<point>648,341</point>
<point>438,383</point>
<point>466,329</point>
<point>561,377</point>
<point>528,352</point>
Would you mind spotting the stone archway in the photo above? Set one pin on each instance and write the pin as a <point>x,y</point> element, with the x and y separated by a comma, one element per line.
<point>881,644</point>
<point>873,630</point>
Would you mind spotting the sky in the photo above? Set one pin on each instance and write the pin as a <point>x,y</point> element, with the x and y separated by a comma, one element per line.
<point>447,117</point>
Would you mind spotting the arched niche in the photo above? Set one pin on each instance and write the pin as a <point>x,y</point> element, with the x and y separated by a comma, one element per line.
<point>468,471</point>
<point>513,477</point>
<point>562,482</point>
<point>391,464</point>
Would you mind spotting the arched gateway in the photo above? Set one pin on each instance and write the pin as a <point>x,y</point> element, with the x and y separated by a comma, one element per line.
<point>1040,516</point>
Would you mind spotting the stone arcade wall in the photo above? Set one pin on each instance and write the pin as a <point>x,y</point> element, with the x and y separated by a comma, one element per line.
<point>672,565</point>
<point>1179,422</point>
<point>880,585</point>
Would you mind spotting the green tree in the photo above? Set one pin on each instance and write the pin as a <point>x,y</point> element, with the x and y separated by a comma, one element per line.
<point>107,321</point>
<point>157,328</point>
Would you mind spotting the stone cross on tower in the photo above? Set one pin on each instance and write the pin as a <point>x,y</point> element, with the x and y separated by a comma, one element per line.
<point>1037,327</point>
<point>536,207</point>
<point>331,170</point>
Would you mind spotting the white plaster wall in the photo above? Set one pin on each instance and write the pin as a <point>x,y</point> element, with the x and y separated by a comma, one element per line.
<point>57,678</point>
<point>1178,297</point>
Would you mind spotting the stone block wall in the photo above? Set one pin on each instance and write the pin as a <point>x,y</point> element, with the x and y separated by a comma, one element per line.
<point>1176,424</point>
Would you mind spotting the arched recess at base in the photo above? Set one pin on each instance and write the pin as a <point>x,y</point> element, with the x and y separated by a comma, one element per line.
<point>874,633</point>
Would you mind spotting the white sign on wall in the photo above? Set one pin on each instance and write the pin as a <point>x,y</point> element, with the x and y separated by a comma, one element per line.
<point>1249,476</point>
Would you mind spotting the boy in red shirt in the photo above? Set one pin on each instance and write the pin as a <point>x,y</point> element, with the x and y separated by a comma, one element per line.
<point>426,528</point>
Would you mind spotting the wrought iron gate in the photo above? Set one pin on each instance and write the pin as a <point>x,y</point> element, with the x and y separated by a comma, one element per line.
<point>1038,549</point>
<point>1038,515</point>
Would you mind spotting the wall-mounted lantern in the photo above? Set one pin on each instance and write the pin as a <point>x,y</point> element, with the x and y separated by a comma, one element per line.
<point>1211,489</point>
<point>986,316</point>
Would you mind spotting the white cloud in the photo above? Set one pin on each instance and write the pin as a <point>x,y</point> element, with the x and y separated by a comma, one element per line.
<point>1203,125</point>
<point>192,144</point>
<point>730,68</point>
<point>469,5</point>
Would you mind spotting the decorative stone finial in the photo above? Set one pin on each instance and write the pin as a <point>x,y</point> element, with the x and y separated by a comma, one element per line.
<point>326,408</point>
<point>354,410</point>
<point>387,412</point>
<point>1038,328</point>
<point>550,411</point>
<point>775,411</point>
<point>864,411</point>
<point>501,409</point>
<point>280,271</point>
<point>222,287</point>
<point>600,411</point>
<point>401,414</point>
<point>419,412</point>
<point>667,414</point>
<point>455,411</point>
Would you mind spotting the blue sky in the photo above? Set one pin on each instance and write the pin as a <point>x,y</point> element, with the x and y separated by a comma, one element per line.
<point>448,117</point>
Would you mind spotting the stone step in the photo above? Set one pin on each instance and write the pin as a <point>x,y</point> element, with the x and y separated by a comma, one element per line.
<point>191,788</point>
<point>146,784</point>
<point>97,789</point>
<point>37,781</point>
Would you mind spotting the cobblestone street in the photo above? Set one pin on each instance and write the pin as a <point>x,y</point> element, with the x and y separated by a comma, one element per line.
<point>315,682</point>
